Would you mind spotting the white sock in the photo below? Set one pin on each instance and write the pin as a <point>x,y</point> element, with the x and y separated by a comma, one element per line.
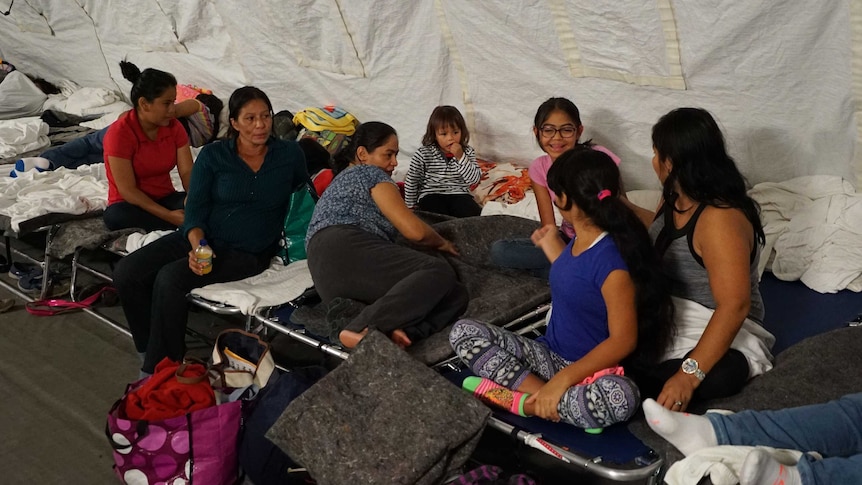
<point>760,468</point>
<point>38,164</point>
<point>688,432</point>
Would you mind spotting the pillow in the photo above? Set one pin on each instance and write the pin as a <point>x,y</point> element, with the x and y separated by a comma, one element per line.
<point>502,182</point>
<point>380,417</point>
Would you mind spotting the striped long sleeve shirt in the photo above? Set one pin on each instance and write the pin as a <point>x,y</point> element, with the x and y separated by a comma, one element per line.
<point>431,172</point>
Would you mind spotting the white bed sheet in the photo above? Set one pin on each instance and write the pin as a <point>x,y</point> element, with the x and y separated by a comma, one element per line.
<point>278,285</point>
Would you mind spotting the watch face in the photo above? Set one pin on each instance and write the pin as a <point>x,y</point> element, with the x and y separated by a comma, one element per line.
<point>689,366</point>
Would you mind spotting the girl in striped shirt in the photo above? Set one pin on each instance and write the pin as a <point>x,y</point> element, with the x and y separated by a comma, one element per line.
<point>443,169</point>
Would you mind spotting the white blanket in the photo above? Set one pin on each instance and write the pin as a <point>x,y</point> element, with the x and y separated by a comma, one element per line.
<point>85,101</point>
<point>137,240</point>
<point>813,225</point>
<point>721,464</point>
<point>691,318</point>
<point>22,135</point>
<point>20,97</point>
<point>277,285</point>
<point>64,191</point>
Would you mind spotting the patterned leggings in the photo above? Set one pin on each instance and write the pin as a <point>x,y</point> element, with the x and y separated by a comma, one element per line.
<point>507,359</point>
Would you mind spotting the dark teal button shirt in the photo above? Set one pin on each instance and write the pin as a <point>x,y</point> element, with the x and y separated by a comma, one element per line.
<point>236,207</point>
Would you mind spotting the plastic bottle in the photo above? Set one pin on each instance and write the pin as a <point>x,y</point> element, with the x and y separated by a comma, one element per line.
<point>204,255</point>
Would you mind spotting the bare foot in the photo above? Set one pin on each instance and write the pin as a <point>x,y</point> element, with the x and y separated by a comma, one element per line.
<point>350,338</point>
<point>400,338</point>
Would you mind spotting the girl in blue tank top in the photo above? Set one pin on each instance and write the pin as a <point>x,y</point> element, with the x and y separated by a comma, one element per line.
<point>610,306</point>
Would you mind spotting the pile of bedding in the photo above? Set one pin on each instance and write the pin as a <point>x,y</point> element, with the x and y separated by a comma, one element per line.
<point>61,191</point>
<point>813,228</point>
<point>24,133</point>
<point>99,105</point>
<point>19,97</point>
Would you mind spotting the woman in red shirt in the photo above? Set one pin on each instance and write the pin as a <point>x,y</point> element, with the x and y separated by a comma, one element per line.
<point>141,149</point>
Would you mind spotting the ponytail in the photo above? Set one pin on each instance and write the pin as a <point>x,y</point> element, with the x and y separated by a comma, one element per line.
<point>149,84</point>
<point>591,180</point>
<point>130,71</point>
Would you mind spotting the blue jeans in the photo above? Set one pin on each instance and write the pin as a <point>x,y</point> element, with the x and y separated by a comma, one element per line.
<point>80,151</point>
<point>833,429</point>
<point>520,253</point>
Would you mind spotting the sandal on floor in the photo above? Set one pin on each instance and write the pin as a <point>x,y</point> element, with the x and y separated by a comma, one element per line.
<point>6,304</point>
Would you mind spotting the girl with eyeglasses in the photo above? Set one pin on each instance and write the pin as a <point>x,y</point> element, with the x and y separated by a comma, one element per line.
<point>557,128</point>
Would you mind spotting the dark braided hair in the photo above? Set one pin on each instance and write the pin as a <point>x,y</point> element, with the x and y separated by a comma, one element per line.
<point>591,181</point>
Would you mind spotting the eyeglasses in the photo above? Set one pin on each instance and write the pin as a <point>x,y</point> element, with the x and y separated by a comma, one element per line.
<point>549,131</point>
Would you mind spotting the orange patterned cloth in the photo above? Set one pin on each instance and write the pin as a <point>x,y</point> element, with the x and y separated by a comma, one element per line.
<point>502,182</point>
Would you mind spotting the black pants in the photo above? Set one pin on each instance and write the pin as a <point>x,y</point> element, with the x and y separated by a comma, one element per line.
<point>122,215</point>
<point>403,288</point>
<point>726,378</point>
<point>153,283</point>
<point>455,205</point>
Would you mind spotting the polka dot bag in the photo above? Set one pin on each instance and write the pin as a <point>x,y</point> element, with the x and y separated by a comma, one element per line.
<point>197,447</point>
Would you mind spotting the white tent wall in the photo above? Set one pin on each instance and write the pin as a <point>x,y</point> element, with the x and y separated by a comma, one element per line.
<point>779,76</point>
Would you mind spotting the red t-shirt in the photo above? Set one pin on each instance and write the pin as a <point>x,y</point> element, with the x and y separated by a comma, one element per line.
<point>152,160</point>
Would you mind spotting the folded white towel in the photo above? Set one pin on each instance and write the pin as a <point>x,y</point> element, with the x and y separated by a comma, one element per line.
<point>277,285</point>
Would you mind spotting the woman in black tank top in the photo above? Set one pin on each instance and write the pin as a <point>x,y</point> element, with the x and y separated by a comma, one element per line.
<point>708,231</point>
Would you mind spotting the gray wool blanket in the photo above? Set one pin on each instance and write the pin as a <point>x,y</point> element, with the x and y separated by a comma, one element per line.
<point>497,295</point>
<point>87,231</point>
<point>380,417</point>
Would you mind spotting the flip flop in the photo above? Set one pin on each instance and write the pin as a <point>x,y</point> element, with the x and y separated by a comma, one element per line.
<point>6,304</point>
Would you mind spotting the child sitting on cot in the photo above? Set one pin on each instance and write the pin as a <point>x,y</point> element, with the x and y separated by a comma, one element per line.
<point>444,167</point>
<point>609,305</point>
<point>557,127</point>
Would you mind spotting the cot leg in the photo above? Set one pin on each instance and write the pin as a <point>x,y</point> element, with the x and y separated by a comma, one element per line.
<point>8,244</point>
<point>249,321</point>
<point>74,278</point>
<point>46,262</point>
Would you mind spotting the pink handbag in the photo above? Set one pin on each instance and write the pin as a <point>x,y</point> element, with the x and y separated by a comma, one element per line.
<point>198,447</point>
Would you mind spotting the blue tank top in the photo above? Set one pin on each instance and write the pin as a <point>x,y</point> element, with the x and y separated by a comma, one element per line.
<point>684,268</point>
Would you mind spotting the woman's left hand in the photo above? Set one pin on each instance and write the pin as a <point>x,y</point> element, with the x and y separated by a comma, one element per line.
<point>677,391</point>
<point>546,400</point>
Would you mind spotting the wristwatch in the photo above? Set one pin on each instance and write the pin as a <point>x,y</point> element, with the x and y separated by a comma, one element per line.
<point>690,366</point>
